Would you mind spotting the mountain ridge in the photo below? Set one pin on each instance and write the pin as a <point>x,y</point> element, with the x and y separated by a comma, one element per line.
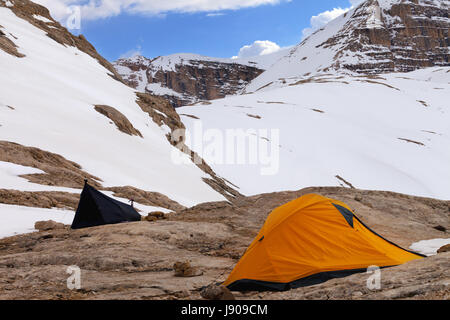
<point>375,37</point>
<point>186,78</point>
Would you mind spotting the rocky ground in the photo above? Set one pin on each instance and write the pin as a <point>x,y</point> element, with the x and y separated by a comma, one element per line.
<point>136,260</point>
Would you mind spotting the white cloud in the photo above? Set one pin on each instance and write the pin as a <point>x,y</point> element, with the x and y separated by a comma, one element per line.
<point>215,14</point>
<point>132,53</point>
<point>258,48</point>
<point>355,2</point>
<point>98,9</point>
<point>323,18</point>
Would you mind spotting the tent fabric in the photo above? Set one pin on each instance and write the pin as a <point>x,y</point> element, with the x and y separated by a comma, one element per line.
<point>310,240</point>
<point>95,209</point>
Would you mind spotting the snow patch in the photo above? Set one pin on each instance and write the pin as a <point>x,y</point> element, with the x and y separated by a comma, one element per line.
<point>374,21</point>
<point>157,89</point>
<point>41,18</point>
<point>18,220</point>
<point>10,179</point>
<point>429,247</point>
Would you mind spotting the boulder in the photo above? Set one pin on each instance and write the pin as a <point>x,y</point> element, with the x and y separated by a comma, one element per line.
<point>155,216</point>
<point>215,292</point>
<point>158,215</point>
<point>445,248</point>
<point>185,270</point>
<point>149,219</point>
<point>48,225</point>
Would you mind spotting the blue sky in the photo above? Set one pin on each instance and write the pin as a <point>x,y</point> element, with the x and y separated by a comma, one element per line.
<point>120,31</point>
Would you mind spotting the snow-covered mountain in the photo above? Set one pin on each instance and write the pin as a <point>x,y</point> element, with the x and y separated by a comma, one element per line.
<point>65,115</point>
<point>378,36</point>
<point>188,78</point>
<point>345,114</point>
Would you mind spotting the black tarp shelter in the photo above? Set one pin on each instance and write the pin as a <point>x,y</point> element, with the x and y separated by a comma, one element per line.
<point>96,209</point>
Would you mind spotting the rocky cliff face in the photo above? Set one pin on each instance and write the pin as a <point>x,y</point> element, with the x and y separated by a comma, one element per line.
<point>393,35</point>
<point>186,79</point>
<point>378,36</point>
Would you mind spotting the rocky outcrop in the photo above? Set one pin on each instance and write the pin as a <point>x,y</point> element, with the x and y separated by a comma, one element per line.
<point>8,45</point>
<point>147,198</point>
<point>160,110</point>
<point>393,36</point>
<point>57,170</point>
<point>40,199</point>
<point>186,79</point>
<point>122,123</point>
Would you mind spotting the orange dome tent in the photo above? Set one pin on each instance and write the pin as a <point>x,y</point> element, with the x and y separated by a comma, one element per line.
<point>308,241</point>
